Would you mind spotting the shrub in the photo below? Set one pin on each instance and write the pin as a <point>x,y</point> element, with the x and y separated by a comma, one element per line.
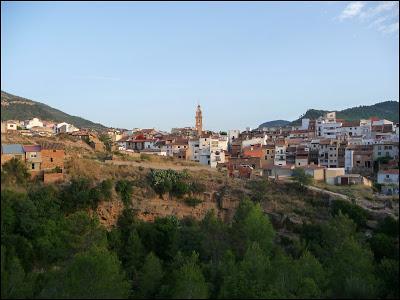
<point>193,201</point>
<point>79,194</point>
<point>14,171</point>
<point>301,177</point>
<point>163,181</point>
<point>145,156</point>
<point>180,188</point>
<point>106,189</point>
<point>356,213</point>
<point>197,187</point>
<point>125,189</point>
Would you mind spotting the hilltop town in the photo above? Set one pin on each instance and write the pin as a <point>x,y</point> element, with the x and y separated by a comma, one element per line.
<point>330,150</point>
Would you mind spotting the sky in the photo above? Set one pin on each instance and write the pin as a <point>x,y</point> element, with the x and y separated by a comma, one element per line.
<point>148,64</point>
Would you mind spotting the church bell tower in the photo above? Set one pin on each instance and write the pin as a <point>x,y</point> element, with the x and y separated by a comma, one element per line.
<point>199,121</point>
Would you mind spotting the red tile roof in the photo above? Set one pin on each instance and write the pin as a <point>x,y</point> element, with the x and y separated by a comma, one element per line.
<point>32,148</point>
<point>390,171</point>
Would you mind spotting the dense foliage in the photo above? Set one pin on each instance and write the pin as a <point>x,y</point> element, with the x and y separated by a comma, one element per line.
<point>53,247</point>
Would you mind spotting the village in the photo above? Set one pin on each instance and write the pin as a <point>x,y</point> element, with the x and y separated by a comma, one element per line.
<point>328,149</point>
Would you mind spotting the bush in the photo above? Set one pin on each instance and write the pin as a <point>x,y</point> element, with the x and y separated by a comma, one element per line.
<point>79,194</point>
<point>180,188</point>
<point>145,156</point>
<point>163,181</point>
<point>125,189</point>
<point>301,177</point>
<point>14,171</point>
<point>193,202</point>
<point>356,213</point>
<point>106,189</point>
<point>197,187</point>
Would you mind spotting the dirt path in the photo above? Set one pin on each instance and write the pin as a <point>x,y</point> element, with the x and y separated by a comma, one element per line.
<point>157,165</point>
<point>375,209</point>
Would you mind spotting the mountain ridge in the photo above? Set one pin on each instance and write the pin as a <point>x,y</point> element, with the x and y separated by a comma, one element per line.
<point>19,108</point>
<point>386,110</point>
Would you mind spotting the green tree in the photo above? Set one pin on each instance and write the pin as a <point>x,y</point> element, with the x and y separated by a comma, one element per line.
<point>132,254</point>
<point>249,279</point>
<point>15,283</point>
<point>125,189</point>
<point>94,274</point>
<point>388,272</point>
<point>78,195</point>
<point>161,237</point>
<point>250,224</point>
<point>150,278</point>
<point>301,177</point>
<point>350,270</point>
<point>14,171</point>
<point>189,282</point>
<point>106,140</point>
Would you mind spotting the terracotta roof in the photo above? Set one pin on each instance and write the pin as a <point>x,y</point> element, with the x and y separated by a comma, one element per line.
<point>351,123</point>
<point>142,140</point>
<point>390,171</point>
<point>52,146</point>
<point>32,148</point>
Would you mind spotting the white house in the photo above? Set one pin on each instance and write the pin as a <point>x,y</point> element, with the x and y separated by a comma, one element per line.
<point>11,125</point>
<point>382,122</point>
<point>194,147</point>
<point>327,127</point>
<point>280,153</point>
<point>348,160</point>
<point>386,149</point>
<point>255,141</point>
<point>35,122</point>
<point>64,127</point>
<point>233,134</point>
<point>389,179</point>
<point>142,144</point>
<point>305,123</point>
<point>210,150</point>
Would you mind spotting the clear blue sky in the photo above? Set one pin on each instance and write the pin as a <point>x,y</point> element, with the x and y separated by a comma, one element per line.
<point>148,64</point>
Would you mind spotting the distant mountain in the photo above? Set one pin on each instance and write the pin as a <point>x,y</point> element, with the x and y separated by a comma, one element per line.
<point>388,110</point>
<point>18,108</point>
<point>275,123</point>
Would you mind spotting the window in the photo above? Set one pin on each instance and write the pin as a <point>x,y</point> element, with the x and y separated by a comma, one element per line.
<point>54,150</point>
<point>33,166</point>
<point>51,159</point>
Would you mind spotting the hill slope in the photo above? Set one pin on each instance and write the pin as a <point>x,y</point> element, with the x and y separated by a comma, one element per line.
<point>18,108</point>
<point>386,110</point>
<point>275,123</point>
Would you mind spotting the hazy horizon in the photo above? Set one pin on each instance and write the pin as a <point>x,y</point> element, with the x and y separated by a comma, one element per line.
<point>147,65</point>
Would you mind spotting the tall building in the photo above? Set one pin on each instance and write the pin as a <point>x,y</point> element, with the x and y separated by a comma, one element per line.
<point>199,121</point>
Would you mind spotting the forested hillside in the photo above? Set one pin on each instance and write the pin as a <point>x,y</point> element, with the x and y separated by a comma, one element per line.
<point>53,245</point>
<point>384,110</point>
<point>18,108</point>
